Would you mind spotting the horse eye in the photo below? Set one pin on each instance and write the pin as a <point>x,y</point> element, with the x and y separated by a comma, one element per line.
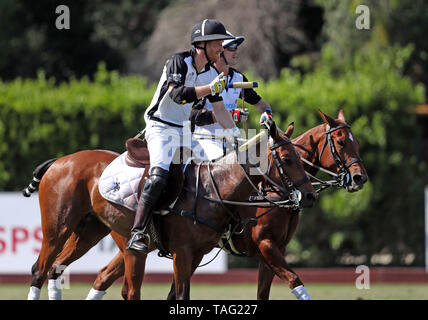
<point>341,143</point>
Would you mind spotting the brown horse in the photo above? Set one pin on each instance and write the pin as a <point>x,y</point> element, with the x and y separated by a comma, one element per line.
<point>70,205</point>
<point>268,239</point>
<point>267,231</point>
<point>331,146</point>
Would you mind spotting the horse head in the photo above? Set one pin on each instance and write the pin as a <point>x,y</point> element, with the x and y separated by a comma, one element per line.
<point>340,152</point>
<point>289,169</point>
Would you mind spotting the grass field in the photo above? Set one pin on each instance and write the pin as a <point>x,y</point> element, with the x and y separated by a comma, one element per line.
<point>244,291</point>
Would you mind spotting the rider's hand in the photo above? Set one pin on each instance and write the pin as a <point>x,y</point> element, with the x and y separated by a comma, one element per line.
<point>218,84</point>
<point>244,116</point>
<point>239,116</point>
<point>266,117</point>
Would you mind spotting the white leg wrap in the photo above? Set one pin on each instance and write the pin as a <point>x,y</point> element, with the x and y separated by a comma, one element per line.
<point>301,293</point>
<point>34,293</point>
<point>54,290</point>
<point>95,294</point>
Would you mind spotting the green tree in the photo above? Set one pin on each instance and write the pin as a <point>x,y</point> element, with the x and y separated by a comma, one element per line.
<point>99,31</point>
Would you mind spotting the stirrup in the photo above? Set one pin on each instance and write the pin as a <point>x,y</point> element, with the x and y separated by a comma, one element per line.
<point>137,242</point>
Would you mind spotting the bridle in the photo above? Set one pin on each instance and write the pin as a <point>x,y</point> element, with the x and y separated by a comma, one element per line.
<point>288,191</point>
<point>289,195</point>
<point>343,177</point>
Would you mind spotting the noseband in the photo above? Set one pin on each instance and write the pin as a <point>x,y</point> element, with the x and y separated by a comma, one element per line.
<point>344,174</point>
<point>286,182</point>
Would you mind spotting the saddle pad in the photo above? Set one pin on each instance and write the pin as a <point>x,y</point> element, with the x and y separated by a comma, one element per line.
<point>119,183</point>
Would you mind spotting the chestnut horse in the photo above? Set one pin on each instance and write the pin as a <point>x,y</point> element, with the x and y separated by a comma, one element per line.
<point>71,205</point>
<point>268,239</point>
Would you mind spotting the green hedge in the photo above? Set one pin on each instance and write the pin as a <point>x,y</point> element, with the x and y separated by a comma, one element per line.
<point>40,119</point>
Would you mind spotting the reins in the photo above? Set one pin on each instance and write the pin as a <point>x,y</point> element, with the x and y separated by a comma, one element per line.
<point>284,188</point>
<point>341,179</point>
<point>287,184</point>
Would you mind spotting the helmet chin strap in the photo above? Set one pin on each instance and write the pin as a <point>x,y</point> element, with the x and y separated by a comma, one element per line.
<point>224,58</point>
<point>205,51</point>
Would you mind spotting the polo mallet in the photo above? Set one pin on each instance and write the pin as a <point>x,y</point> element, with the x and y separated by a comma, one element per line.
<point>244,125</point>
<point>243,85</point>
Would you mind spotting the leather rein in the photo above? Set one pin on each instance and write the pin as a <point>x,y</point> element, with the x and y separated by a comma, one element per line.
<point>287,191</point>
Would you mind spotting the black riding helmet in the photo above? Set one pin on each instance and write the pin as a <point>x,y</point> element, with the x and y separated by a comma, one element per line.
<point>208,30</point>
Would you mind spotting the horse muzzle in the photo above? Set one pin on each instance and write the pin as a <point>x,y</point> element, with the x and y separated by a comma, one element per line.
<point>357,182</point>
<point>308,199</point>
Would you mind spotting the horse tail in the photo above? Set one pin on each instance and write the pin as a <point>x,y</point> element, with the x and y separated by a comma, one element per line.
<point>37,176</point>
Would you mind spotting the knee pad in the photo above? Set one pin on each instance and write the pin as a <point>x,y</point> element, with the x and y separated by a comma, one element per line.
<point>154,185</point>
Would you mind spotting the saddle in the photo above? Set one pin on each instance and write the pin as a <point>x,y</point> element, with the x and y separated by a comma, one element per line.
<point>138,156</point>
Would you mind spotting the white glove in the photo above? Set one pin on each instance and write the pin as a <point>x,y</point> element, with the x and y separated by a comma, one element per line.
<point>266,117</point>
<point>218,84</point>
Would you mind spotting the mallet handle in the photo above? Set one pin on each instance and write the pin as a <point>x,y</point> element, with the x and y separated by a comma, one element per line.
<point>243,85</point>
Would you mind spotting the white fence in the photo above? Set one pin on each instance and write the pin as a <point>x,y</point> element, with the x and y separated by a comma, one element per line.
<point>21,237</point>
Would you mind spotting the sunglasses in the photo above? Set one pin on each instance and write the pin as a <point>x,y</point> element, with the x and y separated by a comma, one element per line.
<point>232,47</point>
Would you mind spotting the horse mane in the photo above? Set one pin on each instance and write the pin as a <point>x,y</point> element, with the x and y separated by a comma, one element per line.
<point>303,136</point>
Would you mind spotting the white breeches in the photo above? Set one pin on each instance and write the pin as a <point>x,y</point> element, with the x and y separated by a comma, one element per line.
<point>211,149</point>
<point>163,141</point>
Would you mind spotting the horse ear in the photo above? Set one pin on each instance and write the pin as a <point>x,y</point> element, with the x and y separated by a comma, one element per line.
<point>290,130</point>
<point>327,119</point>
<point>341,116</point>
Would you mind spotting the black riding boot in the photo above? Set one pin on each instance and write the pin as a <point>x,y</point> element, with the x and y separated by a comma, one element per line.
<point>149,196</point>
<point>139,233</point>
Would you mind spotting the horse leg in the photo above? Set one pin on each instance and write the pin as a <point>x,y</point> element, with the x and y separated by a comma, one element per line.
<point>87,234</point>
<point>195,264</point>
<point>274,257</point>
<point>185,265</point>
<point>111,272</point>
<point>124,291</point>
<point>54,238</point>
<point>182,272</point>
<point>106,277</point>
<point>265,277</point>
<point>134,273</point>
<point>171,294</point>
